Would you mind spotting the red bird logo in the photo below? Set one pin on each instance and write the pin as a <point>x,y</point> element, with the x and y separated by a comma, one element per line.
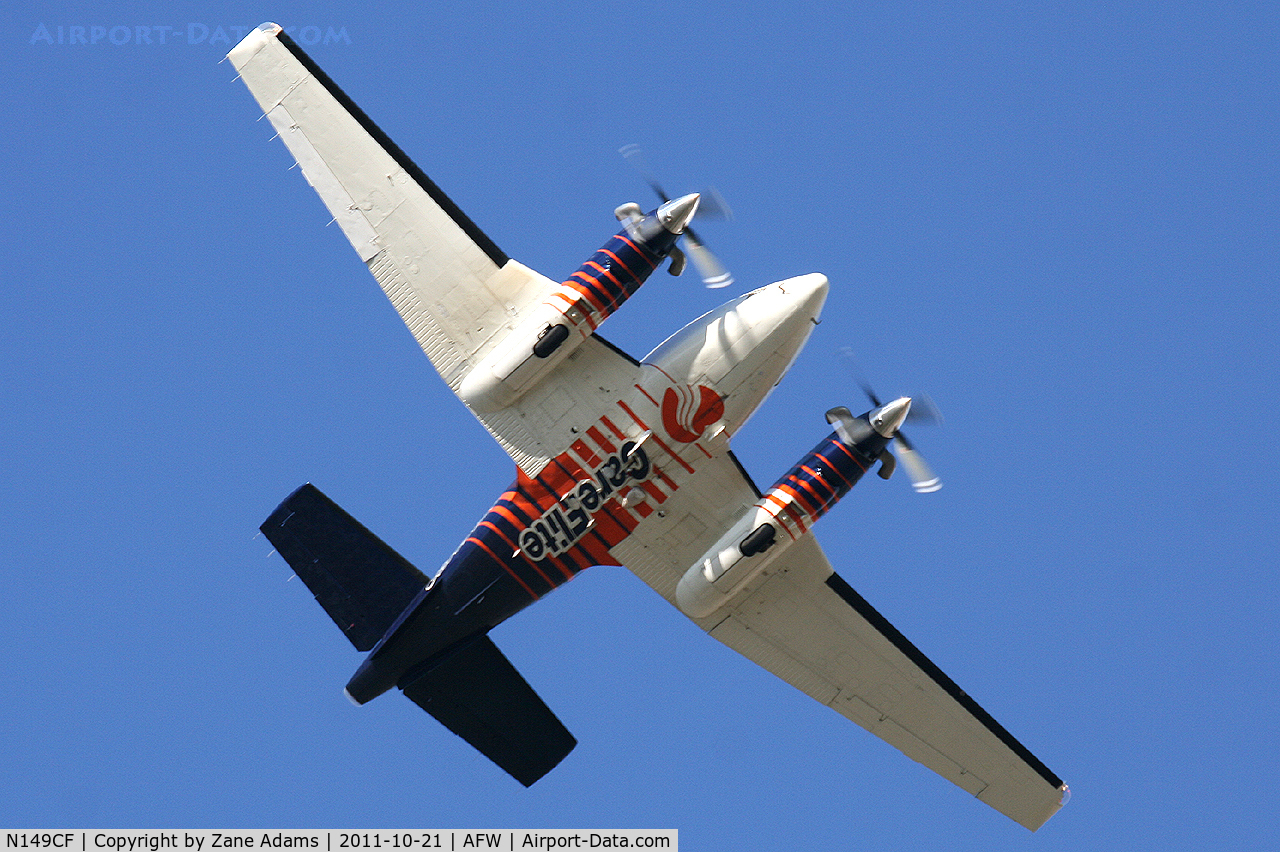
<point>686,417</point>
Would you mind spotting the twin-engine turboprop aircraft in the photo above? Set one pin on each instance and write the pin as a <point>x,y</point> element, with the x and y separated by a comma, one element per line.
<point>618,462</point>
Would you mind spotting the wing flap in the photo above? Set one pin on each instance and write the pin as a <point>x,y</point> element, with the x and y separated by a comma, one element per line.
<point>474,691</point>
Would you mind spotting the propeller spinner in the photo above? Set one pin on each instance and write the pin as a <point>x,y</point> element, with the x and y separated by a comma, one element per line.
<point>709,267</point>
<point>887,419</point>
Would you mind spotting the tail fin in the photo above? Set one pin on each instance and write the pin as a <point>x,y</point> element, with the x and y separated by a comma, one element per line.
<point>474,691</point>
<point>362,583</point>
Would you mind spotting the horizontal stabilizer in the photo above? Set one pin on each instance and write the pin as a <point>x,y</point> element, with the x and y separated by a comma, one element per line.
<point>362,583</point>
<point>474,691</point>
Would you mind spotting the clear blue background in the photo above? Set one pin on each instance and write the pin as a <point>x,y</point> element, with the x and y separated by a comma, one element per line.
<point>1059,220</point>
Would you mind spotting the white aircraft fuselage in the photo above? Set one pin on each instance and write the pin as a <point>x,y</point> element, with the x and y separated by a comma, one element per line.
<point>705,381</point>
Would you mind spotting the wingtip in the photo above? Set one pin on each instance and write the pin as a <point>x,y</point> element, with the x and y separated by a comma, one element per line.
<point>252,43</point>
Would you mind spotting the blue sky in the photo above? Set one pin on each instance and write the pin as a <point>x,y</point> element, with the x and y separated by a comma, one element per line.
<point>1059,222</point>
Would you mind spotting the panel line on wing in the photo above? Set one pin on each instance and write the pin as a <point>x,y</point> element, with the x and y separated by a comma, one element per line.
<point>445,357</point>
<point>847,593</point>
<point>364,239</point>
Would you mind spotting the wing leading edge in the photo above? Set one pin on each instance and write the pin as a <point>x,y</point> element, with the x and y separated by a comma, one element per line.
<point>810,628</point>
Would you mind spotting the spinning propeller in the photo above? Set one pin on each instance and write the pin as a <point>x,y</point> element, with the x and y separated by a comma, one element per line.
<point>709,205</point>
<point>887,419</point>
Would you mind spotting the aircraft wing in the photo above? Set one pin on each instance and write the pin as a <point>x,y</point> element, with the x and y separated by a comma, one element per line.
<point>805,624</point>
<point>458,293</point>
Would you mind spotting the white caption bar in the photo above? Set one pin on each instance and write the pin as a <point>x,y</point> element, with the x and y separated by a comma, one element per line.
<point>335,840</point>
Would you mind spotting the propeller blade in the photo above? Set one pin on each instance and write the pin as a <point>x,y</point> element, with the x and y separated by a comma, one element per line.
<point>871,395</point>
<point>710,205</point>
<point>714,206</point>
<point>922,477</point>
<point>636,157</point>
<point>851,364</point>
<point>713,273</point>
<point>924,411</point>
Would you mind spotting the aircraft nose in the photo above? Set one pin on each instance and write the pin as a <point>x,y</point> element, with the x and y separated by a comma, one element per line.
<point>809,291</point>
<point>675,214</point>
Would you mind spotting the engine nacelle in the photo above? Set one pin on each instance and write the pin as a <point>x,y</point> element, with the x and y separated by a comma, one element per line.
<point>739,556</point>
<point>786,512</point>
<point>572,311</point>
<point>555,328</point>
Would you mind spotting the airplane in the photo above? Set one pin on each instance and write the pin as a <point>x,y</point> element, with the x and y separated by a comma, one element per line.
<point>618,462</point>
